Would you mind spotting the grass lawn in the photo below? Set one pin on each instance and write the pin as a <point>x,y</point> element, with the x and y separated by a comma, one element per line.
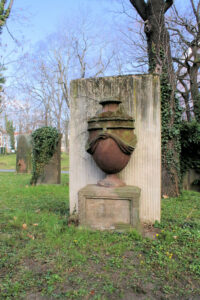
<point>8,162</point>
<point>64,161</point>
<point>42,257</point>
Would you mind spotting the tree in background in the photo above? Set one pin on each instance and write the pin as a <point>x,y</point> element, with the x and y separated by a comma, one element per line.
<point>160,62</point>
<point>4,12</point>
<point>75,50</point>
<point>10,131</point>
<point>2,81</point>
<point>185,30</point>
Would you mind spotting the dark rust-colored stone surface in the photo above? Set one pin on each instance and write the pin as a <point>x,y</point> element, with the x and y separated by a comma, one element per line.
<point>111,180</point>
<point>109,157</point>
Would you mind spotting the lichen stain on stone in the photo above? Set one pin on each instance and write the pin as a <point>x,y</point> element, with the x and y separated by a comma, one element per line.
<point>97,87</point>
<point>74,88</point>
<point>107,88</point>
<point>135,88</point>
<point>156,94</point>
<point>145,98</point>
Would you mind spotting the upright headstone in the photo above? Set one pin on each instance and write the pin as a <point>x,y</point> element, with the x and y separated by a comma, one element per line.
<point>140,96</point>
<point>23,157</point>
<point>191,180</point>
<point>52,170</point>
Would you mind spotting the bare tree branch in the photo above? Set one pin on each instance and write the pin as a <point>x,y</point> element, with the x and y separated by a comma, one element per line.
<point>195,10</point>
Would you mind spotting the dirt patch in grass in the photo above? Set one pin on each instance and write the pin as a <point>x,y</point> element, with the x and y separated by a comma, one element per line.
<point>38,296</point>
<point>149,231</point>
<point>35,266</point>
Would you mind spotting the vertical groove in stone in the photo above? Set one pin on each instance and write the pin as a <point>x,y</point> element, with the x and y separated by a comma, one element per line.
<point>141,98</point>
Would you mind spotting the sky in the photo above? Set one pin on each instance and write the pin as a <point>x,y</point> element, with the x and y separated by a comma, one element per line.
<point>31,21</point>
<point>35,19</point>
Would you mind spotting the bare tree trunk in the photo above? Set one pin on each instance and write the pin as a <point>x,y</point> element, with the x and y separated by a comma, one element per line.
<point>194,86</point>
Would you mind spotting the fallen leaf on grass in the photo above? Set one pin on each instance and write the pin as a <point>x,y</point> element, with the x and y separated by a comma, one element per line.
<point>31,236</point>
<point>92,292</point>
<point>165,196</point>
<point>71,270</point>
<point>35,224</point>
<point>24,226</point>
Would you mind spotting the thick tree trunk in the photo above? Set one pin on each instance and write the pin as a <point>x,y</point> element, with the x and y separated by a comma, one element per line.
<point>194,86</point>
<point>186,98</point>
<point>195,93</point>
<point>160,62</point>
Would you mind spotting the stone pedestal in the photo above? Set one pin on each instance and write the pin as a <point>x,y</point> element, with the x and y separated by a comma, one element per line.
<point>23,157</point>
<point>109,208</point>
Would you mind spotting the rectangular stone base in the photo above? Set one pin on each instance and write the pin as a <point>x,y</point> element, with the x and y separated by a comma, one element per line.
<point>109,208</point>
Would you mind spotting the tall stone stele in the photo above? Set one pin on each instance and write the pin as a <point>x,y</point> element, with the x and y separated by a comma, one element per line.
<point>23,157</point>
<point>104,201</point>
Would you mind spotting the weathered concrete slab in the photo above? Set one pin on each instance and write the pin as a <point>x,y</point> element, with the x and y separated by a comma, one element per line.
<point>141,98</point>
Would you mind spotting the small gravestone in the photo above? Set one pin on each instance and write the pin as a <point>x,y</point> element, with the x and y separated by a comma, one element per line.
<point>52,170</point>
<point>23,157</point>
<point>46,155</point>
<point>191,180</point>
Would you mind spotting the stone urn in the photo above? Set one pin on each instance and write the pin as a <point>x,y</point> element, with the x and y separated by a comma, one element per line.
<point>111,140</point>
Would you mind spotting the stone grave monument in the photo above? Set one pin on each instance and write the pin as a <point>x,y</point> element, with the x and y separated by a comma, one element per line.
<point>109,187</point>
<point>51,173</point>
<point>23,157</point>
<point>110,204</point>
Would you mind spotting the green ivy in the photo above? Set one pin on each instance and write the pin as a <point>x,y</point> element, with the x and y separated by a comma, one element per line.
<point>190,146</point>
<point>170,131</point>
<point>44,143</point>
